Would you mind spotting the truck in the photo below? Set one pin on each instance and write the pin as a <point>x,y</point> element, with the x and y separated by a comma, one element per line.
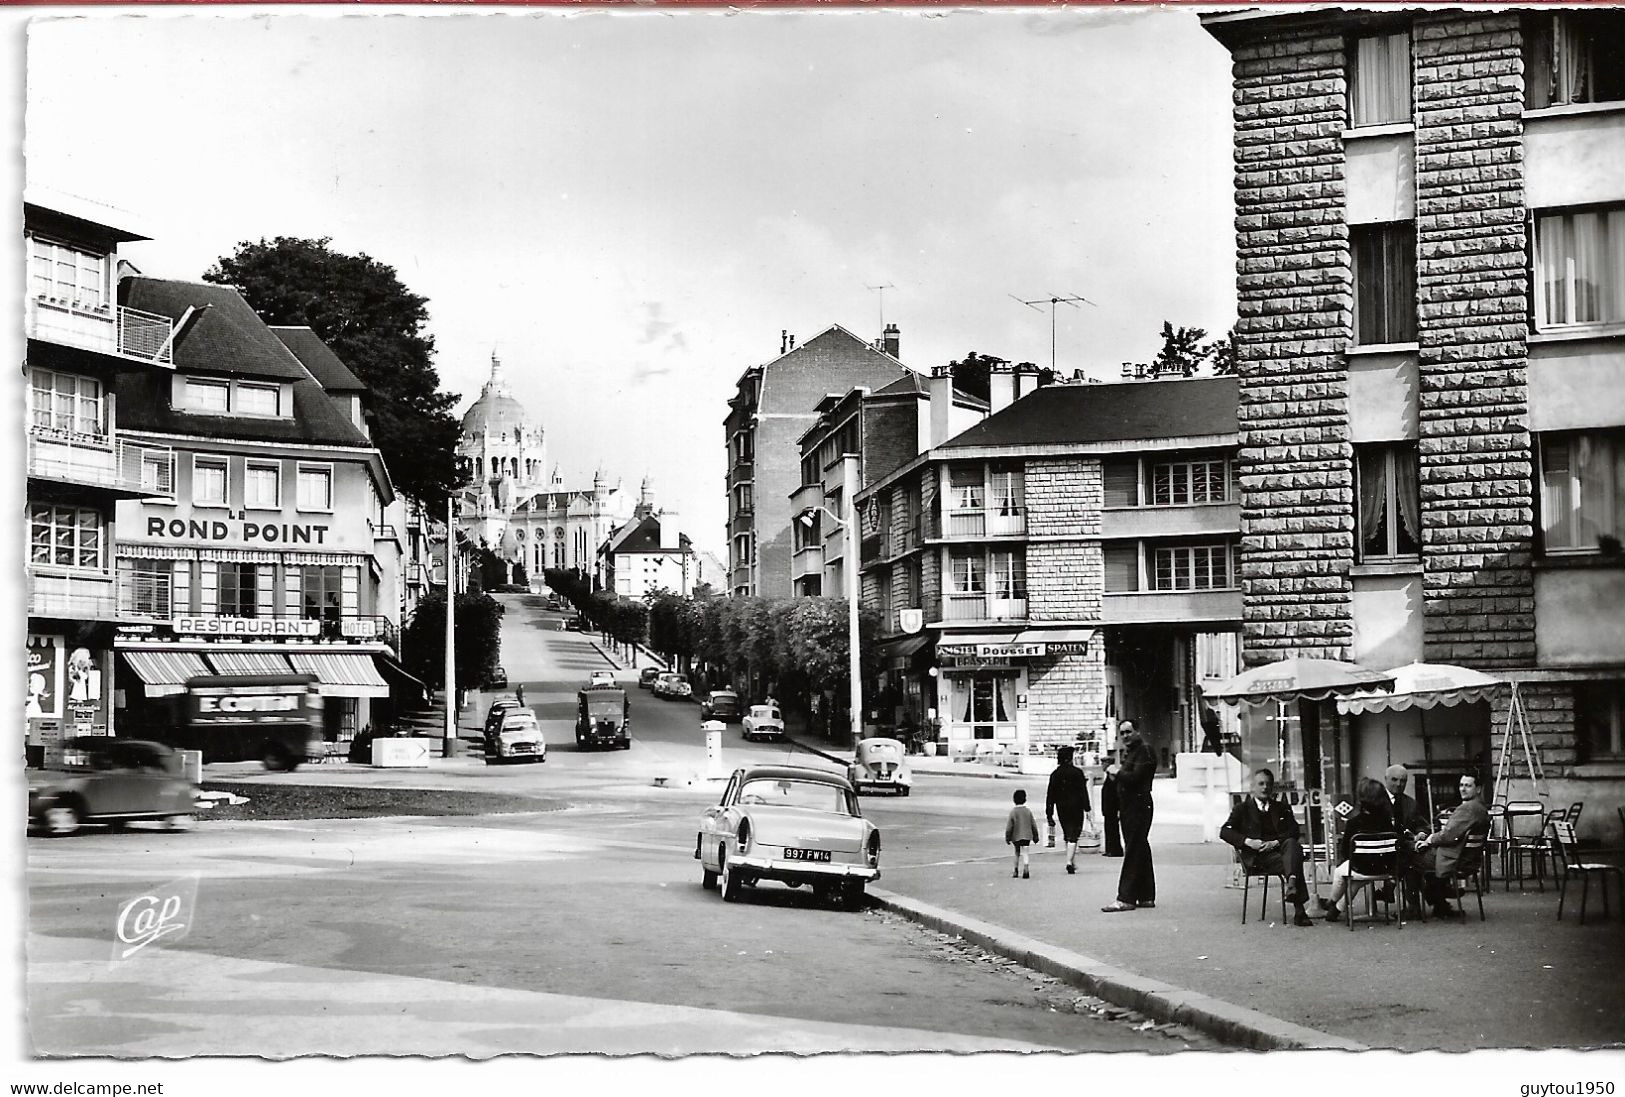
<point>603,716</point>
<point>276,718</point>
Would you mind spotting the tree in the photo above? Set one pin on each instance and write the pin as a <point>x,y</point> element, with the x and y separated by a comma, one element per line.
<point>479,640</point>
<point>360,309</point>
<point>1184,353</point>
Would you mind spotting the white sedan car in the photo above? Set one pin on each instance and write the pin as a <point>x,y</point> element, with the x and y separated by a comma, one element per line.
<point>764,722</point>
<point>792,824</point>
<point>516,737</point>
<point>601,678</point>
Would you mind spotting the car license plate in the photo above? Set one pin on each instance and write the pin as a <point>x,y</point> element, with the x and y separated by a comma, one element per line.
<point>806,854</point>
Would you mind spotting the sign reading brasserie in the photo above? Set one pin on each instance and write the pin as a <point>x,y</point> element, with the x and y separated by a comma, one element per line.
<point>247,626</point>
<point>220,529</point>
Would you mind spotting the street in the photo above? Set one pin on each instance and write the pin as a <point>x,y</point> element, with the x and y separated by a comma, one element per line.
<point>582,930</point>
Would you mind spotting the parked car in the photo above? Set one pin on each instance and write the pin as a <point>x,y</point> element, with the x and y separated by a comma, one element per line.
<point>764,722</point>
<point>603,718</point>
<point>553,604</point>
<point>101,779</point>
<point>574,624</point>
<point>497,680</point>
<point>879,765</point>
<point>647,676</point>
<point>792,824</point>
<point>493,715</point>
<point>601,678</point>
<point>673,687</point>
<point>517,737</point>
<point>721,704</point>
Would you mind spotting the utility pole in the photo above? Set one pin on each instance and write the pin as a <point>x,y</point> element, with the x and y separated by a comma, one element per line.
<point>448,747</point>
<point>849,572</point>
<point>1052,301</point>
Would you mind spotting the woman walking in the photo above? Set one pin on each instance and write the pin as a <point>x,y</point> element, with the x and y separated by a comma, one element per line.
<point>1068,797</point>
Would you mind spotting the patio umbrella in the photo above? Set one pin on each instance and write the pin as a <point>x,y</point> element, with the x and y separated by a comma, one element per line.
<point>1296,679</point>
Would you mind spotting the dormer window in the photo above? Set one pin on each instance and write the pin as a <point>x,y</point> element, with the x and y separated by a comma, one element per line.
<point>67,276</point>
<point>259,399</point>
<point>213,397</point>
<point>220,396</point>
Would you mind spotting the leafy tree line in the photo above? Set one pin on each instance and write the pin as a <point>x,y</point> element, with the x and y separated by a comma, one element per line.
<point>479,640</point>
<point>1185,352</point>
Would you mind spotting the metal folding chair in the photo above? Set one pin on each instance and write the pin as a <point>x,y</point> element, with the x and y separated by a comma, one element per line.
<point>1247,878</point>
<point>1470,867</point>
<point>1567,857</point>
<point>1374,860</point>
<point>1534,847</point>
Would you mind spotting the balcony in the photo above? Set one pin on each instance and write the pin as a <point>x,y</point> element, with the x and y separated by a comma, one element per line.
<point>1176,521</point>
<point>1189,607</point>
<point>985,607</point>
<point>383,531</point>
<point>100,461</point>
<point>149,598</point>
<point>743,520</point>
<point>105,329</point>
<point>808,560</point>
<point>741,471</point>
<point>808,497</point>
<point>978,523</point>
<point>71,594</point>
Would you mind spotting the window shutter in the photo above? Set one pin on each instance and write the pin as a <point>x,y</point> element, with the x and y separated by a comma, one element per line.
<point>1122,566</point>
<point>1121,480</point>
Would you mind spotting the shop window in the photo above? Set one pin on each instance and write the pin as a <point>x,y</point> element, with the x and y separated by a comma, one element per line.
<point>238,590</point>
<point>984,701</point>
<point>1380,79</point>
<point>321,592</point>
<point>66,402</point>
<point>67,537</point>
<point>67,275</point>
<point>1389,507</point>
<point>1191,567</point>
<point>1582,492</point>
<point>1384,282</point>
<point>1580,267</point>
<point>1599,720</point>
<point>1573,57</point>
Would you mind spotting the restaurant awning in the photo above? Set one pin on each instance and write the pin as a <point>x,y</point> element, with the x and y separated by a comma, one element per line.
<point>1296,679</point>
<point>1068,636</point>
<point>342,674</point>
<point>248,662</point>
<point>1424,686</point>
<point>164,673</point>
<point>900,653</point>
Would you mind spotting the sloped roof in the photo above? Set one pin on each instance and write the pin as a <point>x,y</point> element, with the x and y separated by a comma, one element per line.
<point>318,358</point>
<point>228,340</point>
<point>643,535</point>
<point>1061,414</point>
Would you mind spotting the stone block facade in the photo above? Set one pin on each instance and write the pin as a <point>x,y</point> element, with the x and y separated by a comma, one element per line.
<point>1296,305</point>
<point>1065,569</point>
<point>1066,697</point>
<point>1477,490</point>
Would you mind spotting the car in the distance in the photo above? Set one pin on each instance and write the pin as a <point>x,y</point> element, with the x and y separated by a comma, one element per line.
<point>721,704</point>
<point>764,722</point>
<point>793,824</point>
<point>673,687</point>
<point>573,624</point>
<point>553,604</point>
<point>497,680</point>
<point>647,676</point>
<point>516,737</point>
<point>879,764</point>
<point>103,779</point>
<point>493,715</point>
<point>601,678</point>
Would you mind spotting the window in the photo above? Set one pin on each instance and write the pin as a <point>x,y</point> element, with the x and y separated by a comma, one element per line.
<point>1599,720</point>
<point>1180,483</point>
<point>1122,566</point>
<point>208,482</point>
<point>1582,492</point>
<point>65,274</point>
<point>1580,267</point>
<point>1005,492</point>
<point>1573,57</point>
<point>147,587</point>
<point>883,602</point>
<point>912,586</point>
<point>743,498</point>
<point>1121,482</point>
<point>321,591</point>
<point>238,590</point>
<point>1380,79</point>
<point>67,537</point>
<point>158,471</point>
<point>315,488</point>
<point>1008,572</point>
<point>809,469</point>
<point>212,397</point>
<point>1384,283</point>
<point>969,573</point>
<point>66,402</point>
<point>1389,505</point>
<point>259,399</point>
<point>262,486</point>
<point>883,525</point>
<point>1191,567</point>
<point>965,486</point>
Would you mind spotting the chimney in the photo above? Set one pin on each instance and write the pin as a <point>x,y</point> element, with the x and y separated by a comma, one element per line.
<point>784,340</point>
<point>1001,386</point>
<point>1026,379</point>
<point>940,387</point>
<point>891,340</point>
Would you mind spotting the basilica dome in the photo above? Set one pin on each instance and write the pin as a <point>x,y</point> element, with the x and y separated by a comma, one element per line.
<point>496,413</point>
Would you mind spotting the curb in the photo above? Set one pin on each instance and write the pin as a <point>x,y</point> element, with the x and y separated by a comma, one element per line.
<point>1231,1024</point>
<point>810,749</point>
<point>605,655</point>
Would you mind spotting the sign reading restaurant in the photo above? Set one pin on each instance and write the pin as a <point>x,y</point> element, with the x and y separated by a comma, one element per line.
<point>217,529</point>
<point>246,626</point>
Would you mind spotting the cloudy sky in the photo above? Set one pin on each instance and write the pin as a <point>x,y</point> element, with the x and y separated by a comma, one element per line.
<point>630,207</point>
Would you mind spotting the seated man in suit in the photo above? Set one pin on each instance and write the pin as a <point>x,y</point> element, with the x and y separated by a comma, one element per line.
<point>1265,834</point>
<point>1410,824</point>
<point>1437,853</point>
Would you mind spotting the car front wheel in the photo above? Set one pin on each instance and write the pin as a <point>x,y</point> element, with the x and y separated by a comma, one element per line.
<point>60,820</point>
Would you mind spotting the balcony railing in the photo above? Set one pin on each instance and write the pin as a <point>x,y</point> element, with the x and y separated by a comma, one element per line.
<point>150,598</point>
<point>874,549</point>
<point>99,461</point>
<point>974,522</point>
<point>807,560</point>
<point>383,531</point>
<point>106,328</point>
<point>985,607</point>
<point>742,521</point>
<point>79,595</point>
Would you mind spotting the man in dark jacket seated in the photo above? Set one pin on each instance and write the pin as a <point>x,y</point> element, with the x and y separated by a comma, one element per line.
<point>1438,852</point>
<point>1410,824</point>
<point>1265,835</point>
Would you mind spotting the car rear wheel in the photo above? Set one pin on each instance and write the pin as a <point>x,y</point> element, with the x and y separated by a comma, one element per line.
<point>276,759</point>
<point>181,822</point>
<point>708,879</point>
<point>903,791</point>
<point>852,895</point>
<point>728,879</point>
<point>60,820</point>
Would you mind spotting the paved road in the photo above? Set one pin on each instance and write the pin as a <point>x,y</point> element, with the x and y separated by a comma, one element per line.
<point>578,930</point>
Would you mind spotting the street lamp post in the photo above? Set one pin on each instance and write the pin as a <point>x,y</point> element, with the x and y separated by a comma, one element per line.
<point>448,746</point>
<point>849,575</point>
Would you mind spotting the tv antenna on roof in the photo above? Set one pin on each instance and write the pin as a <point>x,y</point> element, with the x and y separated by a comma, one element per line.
<point>1052,301</point>
<point>881,291</point>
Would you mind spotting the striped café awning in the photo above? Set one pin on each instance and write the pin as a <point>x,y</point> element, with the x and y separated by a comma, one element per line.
<point>164,673</point>
<point>248,662</point>
<point>342,674</point>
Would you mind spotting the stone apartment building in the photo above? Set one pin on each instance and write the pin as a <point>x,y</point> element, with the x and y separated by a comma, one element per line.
<point>1430,225</point>
<point>1067,561</point>
<point>773,406</point>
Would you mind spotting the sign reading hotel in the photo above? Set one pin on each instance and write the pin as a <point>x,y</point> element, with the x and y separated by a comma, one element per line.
<point>237,530</point>
<point>246,626</point>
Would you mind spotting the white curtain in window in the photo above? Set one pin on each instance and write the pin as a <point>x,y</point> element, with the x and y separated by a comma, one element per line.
<point>1373,497</point>
<point>1594,461</point>
<point>1552,249</point>
<point>1380,88</point>
<point>1407,495</point>
<point>1556,498</point>
<point>1573,53</point>
<point>1587,261</point>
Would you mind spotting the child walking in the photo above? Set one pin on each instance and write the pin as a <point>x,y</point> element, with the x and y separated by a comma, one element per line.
<point>1020,830</point>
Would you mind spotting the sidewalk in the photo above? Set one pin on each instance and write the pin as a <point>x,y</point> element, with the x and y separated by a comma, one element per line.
<point>1519,979</point>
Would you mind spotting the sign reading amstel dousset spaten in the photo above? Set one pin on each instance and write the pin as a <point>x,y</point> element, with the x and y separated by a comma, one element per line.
<point>246,626</point>
<point>239,530</point>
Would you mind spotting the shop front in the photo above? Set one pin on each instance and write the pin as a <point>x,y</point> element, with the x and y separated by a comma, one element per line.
<point>67,692</point>
<point>986,684</point>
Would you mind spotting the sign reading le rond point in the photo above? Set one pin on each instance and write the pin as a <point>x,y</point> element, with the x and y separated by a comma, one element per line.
<point>218,529</point>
